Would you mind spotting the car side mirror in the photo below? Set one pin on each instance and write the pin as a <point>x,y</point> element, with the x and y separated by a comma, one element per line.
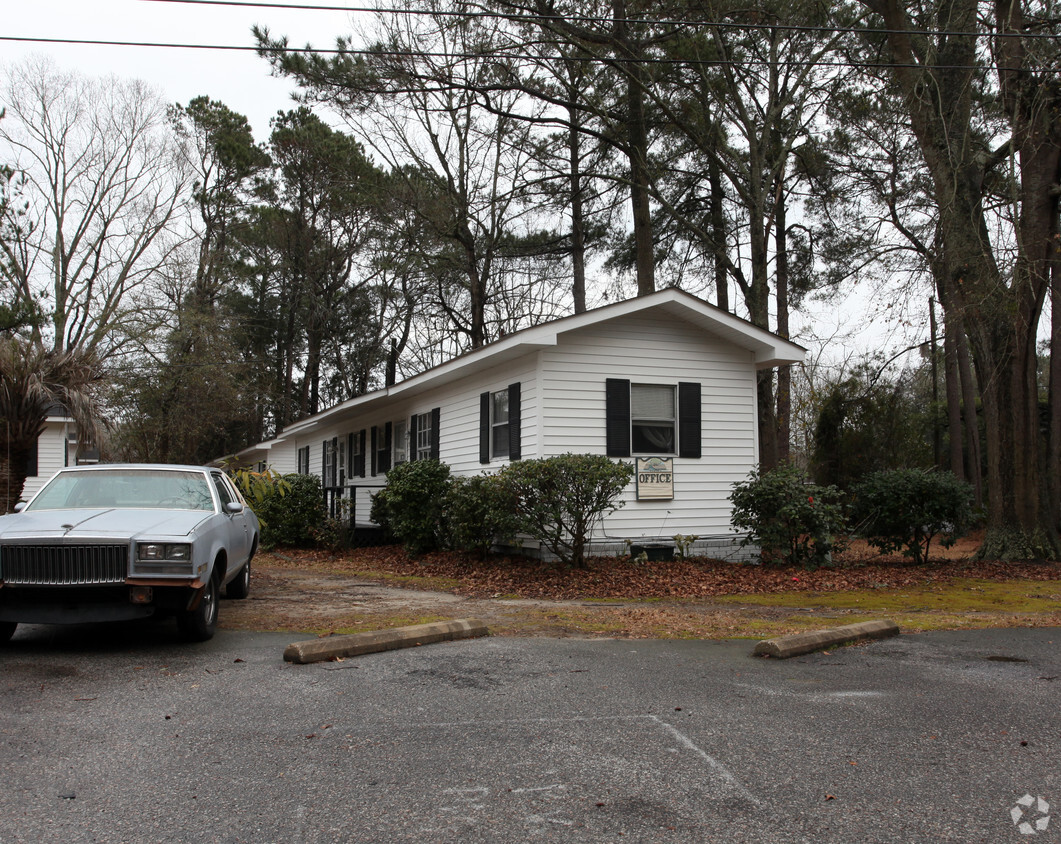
<point>20,506</point>
<point>233,507</point>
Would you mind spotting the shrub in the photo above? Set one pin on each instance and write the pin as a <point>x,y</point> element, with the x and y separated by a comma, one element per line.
<point>378,511</point>
<point>412,506</point>
<point>479,511</point>
<point>559,500</point>
<point>333,533</point>
<point>291,518</point>
<point>904,509</point>
<point>788,517</point>
<point>259,487</point>
<point>263,492</point>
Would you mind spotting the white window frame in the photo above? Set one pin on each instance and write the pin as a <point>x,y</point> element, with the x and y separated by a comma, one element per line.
<point>422,446</point>
<point>499,424</point>
<point>657,421</point>
<point>328,473</point>
<point>399,442</point>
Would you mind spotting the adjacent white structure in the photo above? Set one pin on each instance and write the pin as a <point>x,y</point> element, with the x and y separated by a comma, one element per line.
<point>57,447</point>
<point>666,380</point>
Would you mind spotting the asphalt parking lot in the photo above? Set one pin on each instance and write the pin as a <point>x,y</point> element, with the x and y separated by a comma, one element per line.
<point>123,734</point>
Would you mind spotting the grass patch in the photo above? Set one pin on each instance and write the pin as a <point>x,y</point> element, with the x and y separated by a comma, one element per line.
<point>431,583</point>
<point>381,622</point>
<point>961,595</point>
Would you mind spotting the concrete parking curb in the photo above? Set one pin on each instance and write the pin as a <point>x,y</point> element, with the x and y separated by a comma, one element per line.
<point>784,647</point>
<point>374,641</point>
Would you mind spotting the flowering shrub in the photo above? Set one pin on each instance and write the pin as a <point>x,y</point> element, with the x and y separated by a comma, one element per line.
<point>791,519</point>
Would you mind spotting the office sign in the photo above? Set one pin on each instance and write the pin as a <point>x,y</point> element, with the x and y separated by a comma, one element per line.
<point>655,478</point>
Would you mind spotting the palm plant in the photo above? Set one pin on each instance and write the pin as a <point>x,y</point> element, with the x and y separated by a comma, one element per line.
<point>34,379</point>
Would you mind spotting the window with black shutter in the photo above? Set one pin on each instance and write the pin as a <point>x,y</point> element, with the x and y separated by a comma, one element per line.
<point>652,418</point>
<point>499,425</point>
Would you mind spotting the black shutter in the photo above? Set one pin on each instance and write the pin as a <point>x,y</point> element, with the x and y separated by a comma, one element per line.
<point>436,419</point>
<point>359,465</point>
<point>375,468</point>
<point>414,421</point>
<point>350,469</point>
<point>324,463</point>
<point>689,435</point>
<point>385,454</point>
<point>514,451</point>
<point>617,417</point>
<point>32,459</point>
<point>484,427</point>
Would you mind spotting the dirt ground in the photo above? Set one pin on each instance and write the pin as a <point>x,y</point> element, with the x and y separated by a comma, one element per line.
<point>316,593</point>
<point>320,603</point>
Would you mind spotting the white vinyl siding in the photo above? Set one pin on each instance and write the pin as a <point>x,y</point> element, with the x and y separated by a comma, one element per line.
<point>652,351</point>
<point>51,455</point>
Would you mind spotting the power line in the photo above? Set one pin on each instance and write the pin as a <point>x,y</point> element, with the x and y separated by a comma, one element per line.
<point>515,16</point>
<point>89,42</point>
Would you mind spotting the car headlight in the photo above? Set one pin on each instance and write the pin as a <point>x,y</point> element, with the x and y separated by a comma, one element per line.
<point>170,552</point>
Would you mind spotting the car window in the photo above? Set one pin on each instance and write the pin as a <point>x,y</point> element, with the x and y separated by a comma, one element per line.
<point>125,489</point>
<point>222,490</point>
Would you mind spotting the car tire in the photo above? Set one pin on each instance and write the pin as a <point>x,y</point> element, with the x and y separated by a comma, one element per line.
<point>199,624</point>
<point>240,586</point>
<point>7,630</point>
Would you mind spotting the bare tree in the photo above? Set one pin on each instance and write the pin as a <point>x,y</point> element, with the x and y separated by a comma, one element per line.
<point>103,196</point>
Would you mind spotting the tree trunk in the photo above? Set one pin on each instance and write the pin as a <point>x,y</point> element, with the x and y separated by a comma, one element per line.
<point>578,236</point>
<point>784,372</point>
<point>971,418</point>
<point>13,475</point>
<point>1053,454</point>
<point>718,233</point>
<point>952,386</point>
<point>637,139</point>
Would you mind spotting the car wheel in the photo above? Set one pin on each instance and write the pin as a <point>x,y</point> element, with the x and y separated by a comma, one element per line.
<point>240,586</point>
<point>7,630</point>
<point>199,624</point>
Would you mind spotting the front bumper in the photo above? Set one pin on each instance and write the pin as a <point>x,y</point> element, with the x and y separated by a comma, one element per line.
<point>83,604</point>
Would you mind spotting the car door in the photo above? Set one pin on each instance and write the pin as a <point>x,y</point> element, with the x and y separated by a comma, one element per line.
<point>238,542</point>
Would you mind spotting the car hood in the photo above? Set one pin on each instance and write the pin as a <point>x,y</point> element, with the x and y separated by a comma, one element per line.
<point>103,522</point>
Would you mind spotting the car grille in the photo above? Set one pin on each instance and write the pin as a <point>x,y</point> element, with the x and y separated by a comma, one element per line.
<point>63,565</point>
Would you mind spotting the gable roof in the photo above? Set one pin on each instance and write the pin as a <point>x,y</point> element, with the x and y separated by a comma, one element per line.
<point>767,350</point>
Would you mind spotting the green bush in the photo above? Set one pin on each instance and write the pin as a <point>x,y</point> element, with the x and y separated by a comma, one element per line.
<point>559,500</point>
<point>292,517</point>
<point>412,506</point>
<point>479,511</point>
<point>333,533</point>
<point>378,512</point>
<point>904,509</point>
<point>788,517</point>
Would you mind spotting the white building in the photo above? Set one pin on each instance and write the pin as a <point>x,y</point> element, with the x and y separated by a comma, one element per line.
<point>666,378</point>
<point>57,447</point>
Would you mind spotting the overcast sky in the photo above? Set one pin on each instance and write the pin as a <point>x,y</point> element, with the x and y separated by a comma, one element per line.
<point>241,80</point>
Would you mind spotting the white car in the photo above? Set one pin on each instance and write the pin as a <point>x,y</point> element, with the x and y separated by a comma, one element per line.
<point>113,542</point>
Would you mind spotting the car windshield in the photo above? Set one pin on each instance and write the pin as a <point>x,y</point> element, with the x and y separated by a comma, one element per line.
<point>126,489</point>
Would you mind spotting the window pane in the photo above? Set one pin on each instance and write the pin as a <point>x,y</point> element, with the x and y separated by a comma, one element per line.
<point>500,406</point>
<point>423,436</point>
<point>401,442</point>
<point>653,439</point>
<point>651,401</point>
<point>499,446</point>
